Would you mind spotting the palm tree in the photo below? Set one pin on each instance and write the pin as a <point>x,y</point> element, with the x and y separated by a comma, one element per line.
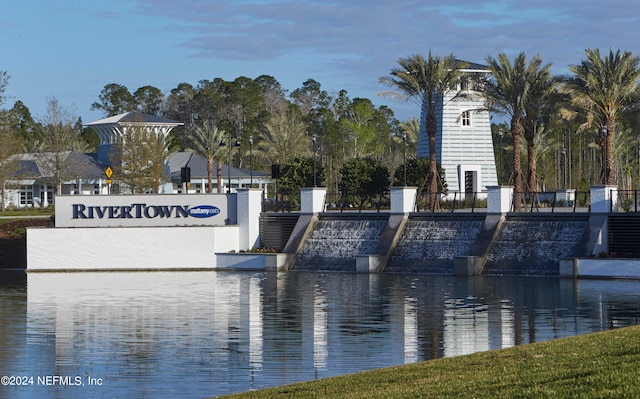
<point>425,81</point>
<point>508,92</point>
<point>412,128</point>
<point>537,108</point>
<point>206,141</point>
<point>285,136</point>
<point>605,87</point>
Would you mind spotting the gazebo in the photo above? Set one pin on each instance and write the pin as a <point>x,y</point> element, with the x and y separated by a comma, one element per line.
<point>111,129</point>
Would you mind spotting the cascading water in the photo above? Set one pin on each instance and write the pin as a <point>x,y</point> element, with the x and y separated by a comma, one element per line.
<point>535,247</point>
<point>334,244</point>
<point>522,245</point>
<point>429,246</point>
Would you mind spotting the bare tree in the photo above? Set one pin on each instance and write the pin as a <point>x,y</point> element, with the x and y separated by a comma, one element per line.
<point>58,139</point>
<point>139,160</point>
<point>4,80</point>
<point>9,163</point>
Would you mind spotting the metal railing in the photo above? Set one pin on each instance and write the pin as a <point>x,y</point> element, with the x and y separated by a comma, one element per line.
<point>455,202</point>
<point>626,201</point>
<point>552,201</point>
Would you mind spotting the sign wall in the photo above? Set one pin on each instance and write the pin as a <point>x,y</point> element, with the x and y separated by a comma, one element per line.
<point>145,210</point>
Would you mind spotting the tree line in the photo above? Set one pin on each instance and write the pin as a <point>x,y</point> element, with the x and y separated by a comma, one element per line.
<point>567,131</point>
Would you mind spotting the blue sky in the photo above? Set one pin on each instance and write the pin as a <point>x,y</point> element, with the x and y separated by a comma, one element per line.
<point>70,49</point>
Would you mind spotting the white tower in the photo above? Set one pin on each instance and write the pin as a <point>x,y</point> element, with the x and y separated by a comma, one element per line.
<point>464,147</point>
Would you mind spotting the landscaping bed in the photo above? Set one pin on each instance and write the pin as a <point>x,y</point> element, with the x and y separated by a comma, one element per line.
<point>13,241</point>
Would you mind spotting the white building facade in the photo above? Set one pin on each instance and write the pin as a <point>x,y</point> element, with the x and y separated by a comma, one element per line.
<point>464,146</point>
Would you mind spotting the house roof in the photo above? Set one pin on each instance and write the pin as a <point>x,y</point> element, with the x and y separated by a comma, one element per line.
<point>472,66</point>
<point>134,117</point>
<point>75,165</point>
<point>199,168</point>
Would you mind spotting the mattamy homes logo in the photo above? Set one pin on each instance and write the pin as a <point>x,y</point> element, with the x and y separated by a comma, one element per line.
<point>142,211</point>
<point>204,211</point>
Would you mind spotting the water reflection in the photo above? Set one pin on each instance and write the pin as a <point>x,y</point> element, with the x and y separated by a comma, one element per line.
<point>197,334</point>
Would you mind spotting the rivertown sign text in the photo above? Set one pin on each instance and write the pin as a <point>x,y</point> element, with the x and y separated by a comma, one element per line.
<point>144,210</point>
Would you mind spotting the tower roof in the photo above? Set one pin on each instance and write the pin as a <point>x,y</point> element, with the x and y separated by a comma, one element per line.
<point>134,117</point>
<point>472,66</point>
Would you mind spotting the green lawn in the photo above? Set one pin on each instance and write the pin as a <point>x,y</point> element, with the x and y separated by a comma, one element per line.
<point>8,216</point>
<point>27,212</point>
<point>599,365</point>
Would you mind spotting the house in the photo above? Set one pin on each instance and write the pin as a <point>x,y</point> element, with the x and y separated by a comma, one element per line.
<point>464,145</point>
<point>38,174</point>
<point>231,176</point>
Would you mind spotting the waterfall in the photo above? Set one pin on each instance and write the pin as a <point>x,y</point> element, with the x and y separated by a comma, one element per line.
<point>334,244</point>
<point>429,246</point>
<point>534,247</point>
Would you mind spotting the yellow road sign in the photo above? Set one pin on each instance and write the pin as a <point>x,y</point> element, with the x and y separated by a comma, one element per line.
<point>108,172</point>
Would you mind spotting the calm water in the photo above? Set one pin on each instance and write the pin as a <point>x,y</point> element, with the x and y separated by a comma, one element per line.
<point>199,334</point>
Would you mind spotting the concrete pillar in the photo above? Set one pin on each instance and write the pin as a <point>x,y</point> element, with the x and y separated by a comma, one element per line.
<point>312,199</point>
<point>565,197</point>
<point>248,217</point>
<point>45,196</point>
<point>403,199</point>
<point>604,199</point>
<point>499,199</point>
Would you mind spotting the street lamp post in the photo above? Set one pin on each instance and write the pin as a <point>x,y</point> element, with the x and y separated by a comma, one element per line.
<point>404,155</point>
<point>500,175</point>
<point>564,168</point>
<point>229,165</point>
<point>251,159</point>
<point>313,140</point>
<point>605,156</point>
<point>237,144</point>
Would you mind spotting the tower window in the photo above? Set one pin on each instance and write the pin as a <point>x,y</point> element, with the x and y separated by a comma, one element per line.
<point>465,118</point>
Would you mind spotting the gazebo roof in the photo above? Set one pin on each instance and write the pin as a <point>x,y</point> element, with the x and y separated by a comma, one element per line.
<point>109,129</point>
<point>134,117</point>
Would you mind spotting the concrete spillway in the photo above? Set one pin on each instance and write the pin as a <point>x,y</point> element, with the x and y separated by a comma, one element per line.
<point>333,244</point>
<point>429,246</point>
<point>534,246</point>
<point>435,244</point>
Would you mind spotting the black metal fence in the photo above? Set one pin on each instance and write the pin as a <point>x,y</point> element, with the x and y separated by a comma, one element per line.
<point>552,201</point>
<point>626,201</point>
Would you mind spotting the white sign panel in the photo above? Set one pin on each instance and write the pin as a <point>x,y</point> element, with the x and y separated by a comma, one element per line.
<point>145,210</point>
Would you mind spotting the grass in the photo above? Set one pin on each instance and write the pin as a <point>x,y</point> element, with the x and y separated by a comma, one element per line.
<point>12,217</point>
<point>598,365</point>
<point>27,212</point>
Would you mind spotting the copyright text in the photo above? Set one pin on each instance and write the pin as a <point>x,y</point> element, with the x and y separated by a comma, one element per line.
<point>49,380</point>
